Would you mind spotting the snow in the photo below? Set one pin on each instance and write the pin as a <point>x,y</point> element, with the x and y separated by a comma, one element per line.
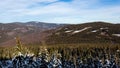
<point>19,53</point>
<point>94,31</point>
<point>66,28</point>
<point>118,50</point>
<point>107,61</point>
<point>40,62</point>
<point>101,28</point>
<point>31,54</point>
<point>68,31</point>
<point>118,35</point>
<point>77,31</point>
<point>104,28</point>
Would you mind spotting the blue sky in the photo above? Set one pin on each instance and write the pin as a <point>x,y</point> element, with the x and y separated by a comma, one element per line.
<point>60,11</point>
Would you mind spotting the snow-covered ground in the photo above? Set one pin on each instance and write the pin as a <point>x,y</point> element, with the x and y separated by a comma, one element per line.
<point>118,35</point>
<point>104,28</point>
<point>77,31</point>
<point>94,31</point>
<point>68,31</point>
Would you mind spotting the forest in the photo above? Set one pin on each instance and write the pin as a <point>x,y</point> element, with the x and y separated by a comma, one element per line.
<point>83,55</point>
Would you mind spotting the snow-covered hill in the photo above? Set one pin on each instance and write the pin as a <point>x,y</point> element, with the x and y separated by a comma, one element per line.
<point>93,32</point>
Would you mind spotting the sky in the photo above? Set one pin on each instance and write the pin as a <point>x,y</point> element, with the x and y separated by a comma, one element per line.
<point>60,11</point>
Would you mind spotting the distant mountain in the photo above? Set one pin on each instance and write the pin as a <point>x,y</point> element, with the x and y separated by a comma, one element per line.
<point>92,32</point>
<point>36,33</point>
<point>29,32</point>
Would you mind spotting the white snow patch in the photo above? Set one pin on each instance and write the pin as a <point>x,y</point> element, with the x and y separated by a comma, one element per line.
<point>108,62</point>
<point>66,28</point>
<point>94,31</point>
<point>118,35</point>
<point>31,54</point>
<point>101,28</point>
<point>104,28</point>
<point>77,31</point>
<point>68,31</point>
<point>118,50</point>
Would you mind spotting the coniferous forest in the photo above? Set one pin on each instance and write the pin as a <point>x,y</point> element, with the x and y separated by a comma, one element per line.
<point>60,56</point>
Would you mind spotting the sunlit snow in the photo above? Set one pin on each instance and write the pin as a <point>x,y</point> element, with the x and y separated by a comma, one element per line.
<point>94,31</point>
<point>77,31</point>
<point>68,31</point>
<point>118,35</point>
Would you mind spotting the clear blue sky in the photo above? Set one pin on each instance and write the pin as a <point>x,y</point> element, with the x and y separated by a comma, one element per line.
<point>60,11</point>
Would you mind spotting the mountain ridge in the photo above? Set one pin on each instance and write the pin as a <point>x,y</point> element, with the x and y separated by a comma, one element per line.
<point>92,32</point>
<point>8,31</point>
<point>37,32</point>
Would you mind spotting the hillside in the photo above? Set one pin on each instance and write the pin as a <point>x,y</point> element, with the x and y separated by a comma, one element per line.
<point>35,33</point>
<point>92,32</point>
<point>29,32</point>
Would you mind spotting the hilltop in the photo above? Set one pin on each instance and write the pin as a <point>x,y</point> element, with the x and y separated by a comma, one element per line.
<point>92,32</point>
